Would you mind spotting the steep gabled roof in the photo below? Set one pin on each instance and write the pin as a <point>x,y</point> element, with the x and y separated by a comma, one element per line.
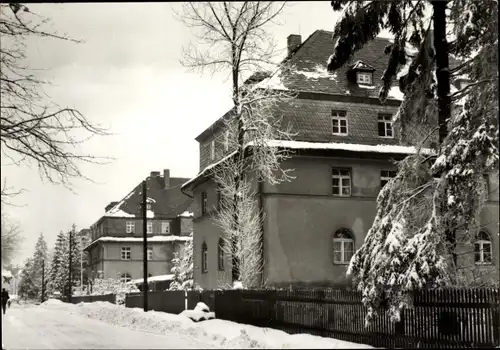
<point>308,72</point>
<point>166,203</point>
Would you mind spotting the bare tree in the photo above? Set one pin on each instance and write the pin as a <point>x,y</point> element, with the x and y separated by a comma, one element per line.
<point>11,238</point>
<point>234,37</point>
<point>34,129</point>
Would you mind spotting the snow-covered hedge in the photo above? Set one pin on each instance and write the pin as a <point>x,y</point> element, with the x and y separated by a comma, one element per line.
<point>113,286</point>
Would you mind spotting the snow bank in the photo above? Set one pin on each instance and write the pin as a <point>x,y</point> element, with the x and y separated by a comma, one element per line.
<point>53,302</point>
<point>220,333</point>
<point>201,312</point>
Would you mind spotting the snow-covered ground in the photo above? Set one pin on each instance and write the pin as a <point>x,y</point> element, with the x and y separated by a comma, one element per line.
<point>104,325</point>
<point>43,327</point>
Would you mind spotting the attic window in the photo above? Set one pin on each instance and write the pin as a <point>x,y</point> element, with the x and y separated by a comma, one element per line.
<point>364,78</point>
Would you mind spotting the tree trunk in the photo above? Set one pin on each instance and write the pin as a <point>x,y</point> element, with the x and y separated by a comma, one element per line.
<point>442,67</point>
<point>443,94</point>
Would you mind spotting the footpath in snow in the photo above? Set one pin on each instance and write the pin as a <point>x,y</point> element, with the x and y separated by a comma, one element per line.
<point>217,333</point>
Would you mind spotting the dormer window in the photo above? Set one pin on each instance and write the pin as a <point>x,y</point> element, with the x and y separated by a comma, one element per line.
<point>361,73</point>
<point>364,78</point>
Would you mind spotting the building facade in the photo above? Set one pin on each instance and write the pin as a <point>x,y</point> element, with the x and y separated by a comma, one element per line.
<point>344,152</point>
<point>116,247</point>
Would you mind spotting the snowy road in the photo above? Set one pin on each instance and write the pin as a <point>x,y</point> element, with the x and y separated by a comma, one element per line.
<point>34,327</point>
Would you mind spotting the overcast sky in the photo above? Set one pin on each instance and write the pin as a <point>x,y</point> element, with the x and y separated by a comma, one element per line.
<point>127,76</point>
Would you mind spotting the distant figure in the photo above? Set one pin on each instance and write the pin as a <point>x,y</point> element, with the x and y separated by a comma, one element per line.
<point>5,299</point>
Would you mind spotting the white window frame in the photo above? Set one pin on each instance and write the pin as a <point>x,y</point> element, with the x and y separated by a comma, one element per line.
<point>337,174</point>
<point>149,227</point>
<point>126,253</point>
<point>385,175</point>
<point>125,277</point>
<point>226,141</point>
<point>364,78</point>
<point>386,120</point>
<point>481,243</point>
<point>148,206</point>
<point>165,227</point>
<point>212,150</point>
<point>150,253</point>
<point>341,118</point>
<point>343,242</point>
<point>130,226</point>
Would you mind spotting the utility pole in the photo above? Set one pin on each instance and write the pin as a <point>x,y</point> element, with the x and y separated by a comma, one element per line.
<point>145,245</point>
<point>70,264</point>
<point>81,263</point>
<point>43,281</point>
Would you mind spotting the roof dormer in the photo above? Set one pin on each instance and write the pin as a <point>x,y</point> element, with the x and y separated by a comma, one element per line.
<point>361,73</point>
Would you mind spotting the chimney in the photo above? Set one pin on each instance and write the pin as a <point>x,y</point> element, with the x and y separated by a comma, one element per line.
<point>110,205</point>
<point>293,42</point>
<point>166,178</point>
<point>154,174</point>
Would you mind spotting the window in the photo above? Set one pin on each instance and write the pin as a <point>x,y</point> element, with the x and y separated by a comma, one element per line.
<point>385,126</point>
<point>343,246</point>
<point>212,150</point>
<point>339,123</point>
<point>203,203</point>
<point>125,277</point>
<point>204,265</point>
<point>126,253</point>
<point>148,206</point>
<point>341,182</point>
<point>364,78</point>
<point>149,227</point>
<point>165,227</point>
<point>482,249</point>
<point>226,141</point>
<point>220,254</point>
<point>386,176</point>
<point>130,227</point>
<point>150,253</point>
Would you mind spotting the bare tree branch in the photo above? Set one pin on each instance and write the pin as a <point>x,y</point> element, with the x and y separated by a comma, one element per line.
<point>236,38</point>
<point>34,129</point>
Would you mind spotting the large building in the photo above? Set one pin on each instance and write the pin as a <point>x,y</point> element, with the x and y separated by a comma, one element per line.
<point>116,247</point>
<point>343,155</point>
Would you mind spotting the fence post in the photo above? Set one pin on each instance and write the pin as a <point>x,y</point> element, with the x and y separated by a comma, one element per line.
<point>496,318</point>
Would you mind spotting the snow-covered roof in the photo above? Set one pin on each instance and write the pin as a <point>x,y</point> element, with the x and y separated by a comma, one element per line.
<point>153,279</point>
<point>186,214</point>
<point>117,212</point>
<point>362,65</point>
<point>353,147</point>
<point>170,238</point>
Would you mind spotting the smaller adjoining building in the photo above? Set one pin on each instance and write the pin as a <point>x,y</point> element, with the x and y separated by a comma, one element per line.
<point>115,249</point>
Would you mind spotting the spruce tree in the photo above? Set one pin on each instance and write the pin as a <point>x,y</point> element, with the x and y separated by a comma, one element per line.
<point>56,282</point>
<point>39,263</point>
<point>26,284</point>
<point>176,270</point>
<point>187,264</point>
<point>411,244</point>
